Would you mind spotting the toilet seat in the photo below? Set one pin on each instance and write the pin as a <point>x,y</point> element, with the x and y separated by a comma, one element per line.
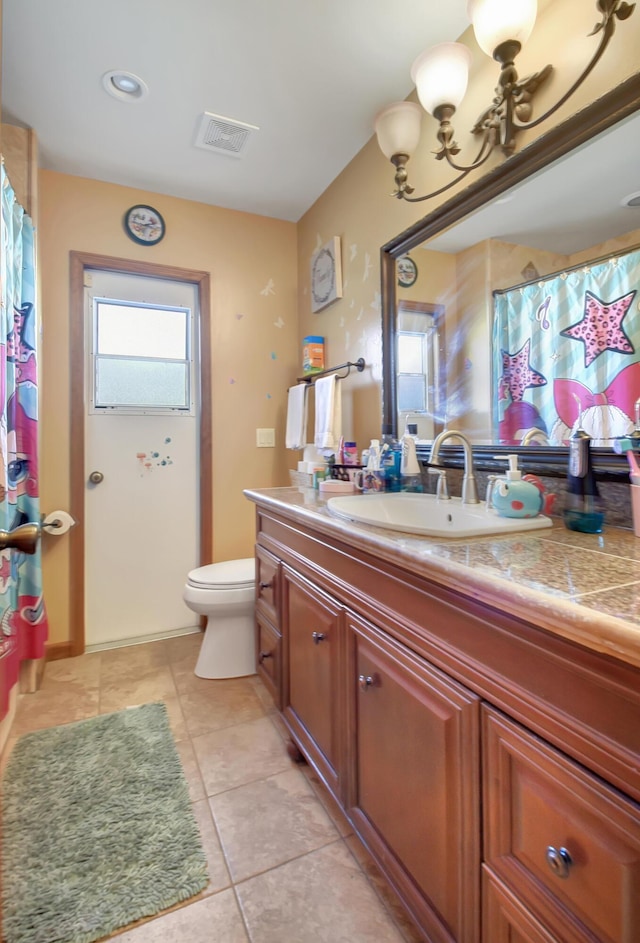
<point>230,574</point>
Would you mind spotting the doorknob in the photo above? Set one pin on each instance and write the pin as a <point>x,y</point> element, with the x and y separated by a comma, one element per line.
<point>23,538</point>
<point>96,477</point>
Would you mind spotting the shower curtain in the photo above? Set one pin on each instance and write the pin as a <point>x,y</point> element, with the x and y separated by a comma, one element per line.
<point>23,623</point>
<point>567,354</point>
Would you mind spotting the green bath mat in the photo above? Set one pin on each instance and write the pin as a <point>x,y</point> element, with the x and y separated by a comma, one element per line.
<point>98,829</point>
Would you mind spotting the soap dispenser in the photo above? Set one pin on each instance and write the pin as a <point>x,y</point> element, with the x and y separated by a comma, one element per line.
<point>516,496</point>
<point>410,477</point>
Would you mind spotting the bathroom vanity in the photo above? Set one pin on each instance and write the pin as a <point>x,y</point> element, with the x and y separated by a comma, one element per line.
<point>474,707</point>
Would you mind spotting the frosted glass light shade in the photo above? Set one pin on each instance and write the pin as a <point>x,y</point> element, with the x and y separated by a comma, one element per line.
<point>440,75</point>
<point>496,21</point>
<point>398,128</point>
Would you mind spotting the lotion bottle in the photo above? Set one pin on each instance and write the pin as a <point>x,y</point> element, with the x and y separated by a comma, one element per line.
<point>410,477</point>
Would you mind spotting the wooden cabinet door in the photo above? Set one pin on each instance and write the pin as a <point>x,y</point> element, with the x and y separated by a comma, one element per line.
<point>267,585</point>
<point>311,632</point>
<point>414,786</point>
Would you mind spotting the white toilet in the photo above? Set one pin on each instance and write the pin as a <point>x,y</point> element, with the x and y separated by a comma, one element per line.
<point>225,594</point>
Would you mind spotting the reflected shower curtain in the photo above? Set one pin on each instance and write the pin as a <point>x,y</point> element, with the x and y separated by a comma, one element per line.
<point>23,624</point>
<point>567,354</point>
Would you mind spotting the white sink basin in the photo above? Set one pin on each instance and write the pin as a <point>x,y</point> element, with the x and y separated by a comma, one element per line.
<point>425,514</point>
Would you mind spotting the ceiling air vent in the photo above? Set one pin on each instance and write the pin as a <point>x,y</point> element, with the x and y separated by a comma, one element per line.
<point>223,135</point>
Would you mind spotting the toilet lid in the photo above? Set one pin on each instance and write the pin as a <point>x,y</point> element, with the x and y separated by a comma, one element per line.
<point>230,573</point>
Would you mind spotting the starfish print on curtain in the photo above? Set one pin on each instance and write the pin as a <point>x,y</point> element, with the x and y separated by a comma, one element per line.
<point>518,374</point>
<point>601,327</point>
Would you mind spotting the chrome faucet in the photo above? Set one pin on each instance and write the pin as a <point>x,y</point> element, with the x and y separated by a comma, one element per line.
<point>534,435</point>
<point>469,487</point>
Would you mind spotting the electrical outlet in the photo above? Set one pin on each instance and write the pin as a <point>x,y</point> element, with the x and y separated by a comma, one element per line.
<point>265,438</point>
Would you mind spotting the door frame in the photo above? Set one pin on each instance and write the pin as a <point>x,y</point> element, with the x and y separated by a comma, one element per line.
<point>79,262</point>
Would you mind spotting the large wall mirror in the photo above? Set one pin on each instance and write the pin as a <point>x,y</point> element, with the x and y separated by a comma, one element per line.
<point>495,325</point>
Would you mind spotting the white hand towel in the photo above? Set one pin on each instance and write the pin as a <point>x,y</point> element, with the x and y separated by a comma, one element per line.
<point>296,434</point>
<point>328,413</point>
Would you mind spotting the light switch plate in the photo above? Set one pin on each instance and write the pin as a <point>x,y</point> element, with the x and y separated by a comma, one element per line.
<point>265,438</point>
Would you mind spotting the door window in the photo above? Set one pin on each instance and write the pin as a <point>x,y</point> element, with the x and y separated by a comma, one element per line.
<point>141,358</point>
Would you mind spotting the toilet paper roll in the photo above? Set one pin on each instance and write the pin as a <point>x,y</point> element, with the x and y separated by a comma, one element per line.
<point>57,522</point>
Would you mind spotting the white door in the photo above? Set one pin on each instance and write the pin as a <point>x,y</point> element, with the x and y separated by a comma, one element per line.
<point>141,480</point>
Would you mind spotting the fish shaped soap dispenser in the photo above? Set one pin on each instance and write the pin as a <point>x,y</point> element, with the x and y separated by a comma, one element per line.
<point>513,495</point>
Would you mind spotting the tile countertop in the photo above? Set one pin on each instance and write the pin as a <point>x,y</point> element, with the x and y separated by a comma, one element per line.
<point>585,587</point>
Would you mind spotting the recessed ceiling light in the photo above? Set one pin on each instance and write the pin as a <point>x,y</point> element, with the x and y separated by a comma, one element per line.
<point>632,199</point>
<point>125,86</point>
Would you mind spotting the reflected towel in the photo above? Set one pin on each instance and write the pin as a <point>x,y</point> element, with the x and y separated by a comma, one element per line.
<point>296,434</point>
<point>328,413</point>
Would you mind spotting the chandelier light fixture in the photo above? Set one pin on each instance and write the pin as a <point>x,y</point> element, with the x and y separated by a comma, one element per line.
<point>441,73</point>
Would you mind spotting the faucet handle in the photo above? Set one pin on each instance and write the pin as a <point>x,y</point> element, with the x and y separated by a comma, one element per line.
<point>442,488</point>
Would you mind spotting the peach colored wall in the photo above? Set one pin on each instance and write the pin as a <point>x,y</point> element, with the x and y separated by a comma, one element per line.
<point>357,206</point>
<point>255,352</point>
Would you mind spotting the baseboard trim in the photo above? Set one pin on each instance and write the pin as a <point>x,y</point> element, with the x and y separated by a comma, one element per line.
<point>143,639</point>
<point>56,650</point>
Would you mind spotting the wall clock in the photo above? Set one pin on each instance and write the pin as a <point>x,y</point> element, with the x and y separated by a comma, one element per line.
<point>407,271</point>
<point>144,225</point>
<point>326,275</point>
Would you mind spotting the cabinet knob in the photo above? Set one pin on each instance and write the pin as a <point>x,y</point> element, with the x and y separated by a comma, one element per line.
<point>559,860</point>
<point>263,655</point>
<point>365,681</point>
<point>318,637</point>
<point>268,585</point>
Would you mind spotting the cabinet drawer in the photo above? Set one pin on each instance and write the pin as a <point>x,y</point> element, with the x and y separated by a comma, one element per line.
<point>505,920</point>
<point>269,658</point>
<point>564,841</point>
<point>267,584</point>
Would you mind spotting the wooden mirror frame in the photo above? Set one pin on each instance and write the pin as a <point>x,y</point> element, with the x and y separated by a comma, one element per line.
<point>580,128</point>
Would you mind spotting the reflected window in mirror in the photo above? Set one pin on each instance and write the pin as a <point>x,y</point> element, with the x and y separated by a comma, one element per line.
<point>419,340</point>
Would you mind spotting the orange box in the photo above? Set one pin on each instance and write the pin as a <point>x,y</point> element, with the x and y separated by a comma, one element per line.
<point>312,354</point>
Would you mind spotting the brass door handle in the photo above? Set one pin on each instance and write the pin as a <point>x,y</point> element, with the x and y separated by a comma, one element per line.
<point>23,538</point>
<point>96,477</point>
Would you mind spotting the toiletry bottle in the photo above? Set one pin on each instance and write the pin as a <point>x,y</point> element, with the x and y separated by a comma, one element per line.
<point>390,459</point>
<point>350,453</point>
<point>583,511</point>
<point>410,477</point>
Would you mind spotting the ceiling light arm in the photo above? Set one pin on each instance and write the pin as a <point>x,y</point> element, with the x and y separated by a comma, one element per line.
<point>511,108</point>
<point>403,189</point>
<point>450,148</point>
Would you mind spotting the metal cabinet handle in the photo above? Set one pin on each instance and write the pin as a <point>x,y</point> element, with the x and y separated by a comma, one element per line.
<point>318,637</point>
<point>268,585</point>
<point>559,860</point>
<point>263,655</point>
<point>96,477</point>
<point>365,681</point>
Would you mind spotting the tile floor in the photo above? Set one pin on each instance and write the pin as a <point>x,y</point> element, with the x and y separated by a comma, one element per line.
<point>284,866</point>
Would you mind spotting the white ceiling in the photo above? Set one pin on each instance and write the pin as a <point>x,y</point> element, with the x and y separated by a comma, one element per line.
<point>310,73</point>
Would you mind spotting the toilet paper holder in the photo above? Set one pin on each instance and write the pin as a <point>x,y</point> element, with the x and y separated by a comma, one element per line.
<point>57,522</point>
